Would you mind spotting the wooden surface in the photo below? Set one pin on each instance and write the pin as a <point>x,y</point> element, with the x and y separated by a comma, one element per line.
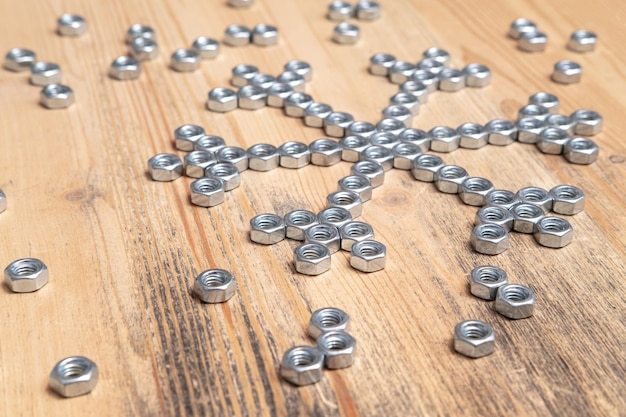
<point>123,250</point>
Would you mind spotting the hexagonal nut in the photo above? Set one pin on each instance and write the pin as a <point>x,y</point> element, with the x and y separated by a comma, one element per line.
<point>56,96</point>
<point>144,49</point>
<point>444,139</point>
<point>237,35</point>
<point>184,60</point>
<point>368,256</point>
<point>534,110</point>
<point>267,229</point>
<point>327,319</point>
<point>196,163</point>
<point>529,129</point>
<point>315,114</point>
<point>371,170</point>
<point>325,152</point>
<point>264,81</point>
<point>380,64</point>
<point>71,25</point>
<point>378,154</point>
<point>278,93</point>
<point>235,155</point>
<point>390,125</point>
<point>582,41</point>
<point>139,30</point>
<point>252,97</point>
<point>521,25</point>
<point>367,10</point>
<point>312,259</point>
<point>386,140</point>
<point>26,275</point>
<point>401,71</point>
<point>348,200</point>
<point>438,54</point>
<point>240,3</point>
<point>477,75</point>
<point>429,79</point>
<point>292,79</point>
<point>474,339</point>
<point>547,100</point>
<point>417,137</point>
<point>474,190</point>
<point>568,199</point>
<point>297,222</point>
<point>242,74</point>
<point>553,232</point>
<point>426,166</point>
<point>263,157</point>
<point>165,167</point>
<point>502,198</point>
<point>302,365</point>
<point>339,349</point>
<point>45,73</point>
<point>400,113</point>
<point>536,196</point>
<point>222,100</point>
<point>324,234</point>
<point>431,65</point>
<point>451,80</point>
<point>209,143</point>
<point>125,68</point>
<point>449,178</point>
<point>297,103</point>
<point>294,155</point>
<point>265,35</point>
<point>407,100</point>
<point>206,47</point>
<point>346,34</point>
<point>226,172</point>
<point>355,232</point>
<point>495,215</point>
<point>526,216</point>
<point>74,376</point>
<point>587,122</point>
<point>489,239</point>
<point>581,151</point>
<point>207,192</point>
<point>3,201</point>
<point>215,286</point>
<point>532,42</point>
<point>485,281</point>
<point>336,124</point>
<point>567,72</point>
<point>339,10</point>
<point>473,136</point>
<point>19,59</point>
<point>416,88</point>
<point>515,301</point>
<point>302,68</point>
<point>357,184</point>
<point>404,153</point>
<point>501,132</point>
<point>335,216</point>
<point>562,122</point>
<point>186,136</point>
<point>552,140</point>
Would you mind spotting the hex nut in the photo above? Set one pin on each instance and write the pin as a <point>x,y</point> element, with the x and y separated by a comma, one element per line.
<point>293,79</point>
<point>451,80</point>
<point>495,215</point>
<point>315,114</point>
<point>515,301</point>
<point>56,96</point>
<point>207,192</point>
<point>294,155</point>
<point>352,146</point>
<point>336,124</point>
<point>297,103</point>
<point>302,68</point>
<point>264,35</point>
<point>209,143</point>
<point>407,100</point>
<point>346,33</point>
<point>240,3</point>
<point>581,151</point>
<point>485,281</point>
<point>521,25</point>
<point>417,137</point>
<point>532,42</point>
<point>339,10</point>
<point>552,140</point>
<point>265,81</point>
<point>278,93</point>
<point>367,10</point>
<point>222,100</point>
<point>3,201</point>
<point>380,63</point>
<point>302,365</point>
<point>473,191</point>
<point>335,216</point>
<point>19,59</point>
<point>252,97</point>
<point>429,79</point>
<point>553,232</point>
<point>449,178</point>
<point>242,74</point>
<point>473,136</point>
<point>536,196</point>
<point>489,239</point>
<point>324,234</point>
<point>124,68</point>
<point>390,125</point>
<point>416,88</point>
<point>373,171</point>
<point>325,152</point>
<point>567,72</point>
<point>547,100</point>
<point>354,232</point>
<point>404,153</point>
<point>582,41</point>
<point>267,229</point>
<point>263,157</point>
<point>215,286</point>
<point>327,319</point>
<point>568,199</point>
<point>165,167</point>
<point>529,129</point>
<point>534,110</point>
<point>139,30</point>
<point>561,121</point>
<point>501,132</point>
<point>401,71</point>
<point>368,256</point>
<point>444,139</point>
<point>186,136</point>
<point>526,216</point>
<point>502,198</point>
<point>348,200</point>
<point>437,54</point>
<point>237,35</point>
<point>379,155</point>
<point>358,184</point>
<point>587,122</point>
<point>144,49</point>
<point>297,222</point>
<point>45,73</point>
<point>312,259</point>
<point>71,25</point>
<point>426,166</point>
<point>477,75</point>
<point>431,65</point>
<point>74,376</point>
<point>226,172</point>
<point>207,48</point>
<point>235,155</point>
<point>26,275</point>
<point>474,339</point>
<point>185,60</point>
<point>339,349</point>
<point>196,163</point>
<point>400,113</point>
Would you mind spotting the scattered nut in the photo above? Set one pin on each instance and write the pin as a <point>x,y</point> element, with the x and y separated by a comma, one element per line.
<point>312,259</point>
<point>553,232</point>
<point>297,222</point>
<point>302,365</point>
<point>324,234</point>
<point>515,301</point>
<point>327,319</point>
<point>294,155</point>
<point>368,256</point>
<point>485,281</point>
<point>582,41</point>
<point>265,35</point>
<point>185,60</point>
<point>567,72</point>
<point>489,239</point>
<point>125,68</point>
<point>45,73</point>
<point>237,35</point>
<point>26,275</point>
<point>568,199</point>
<point>346,33</point>
<point>71,25</point>
<point>19,59</point>
<point>207,192</point>
<point>222,100</point>
<point>267,229</point>
<point>226,172</point>
<point>206,48</point>
<point>339,349</point>
<point>74,376</point>
<point>215,286</point>
<point>474,338</point>
<point>165,167</point>
<point>526,216</point>
<point>581,151</point>
<point>263,157</point>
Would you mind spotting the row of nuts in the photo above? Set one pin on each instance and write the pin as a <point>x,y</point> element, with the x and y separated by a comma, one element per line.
<point>363,10</point>
<point>240,35</point>
<point>530,39</point>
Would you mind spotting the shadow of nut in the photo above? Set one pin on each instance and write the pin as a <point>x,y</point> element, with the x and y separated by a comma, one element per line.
<point>486,280</point>
<point>474,338</point>
<point>515,301</point>
<point>267,229</point>
<point>215,286</point>
<point>327,319</point>
<point>26,275</point>
<point>74,376</point>
<point>553,232</point>
<point>339,349</point>
<point>312,259</point>
<point>368,256</point>
<point>302,365</point>
<point>165,167</point>
<point>489,239</point>
<point>568,199</point>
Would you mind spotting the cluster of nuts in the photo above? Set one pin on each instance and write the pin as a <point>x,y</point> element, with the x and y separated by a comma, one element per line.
<point>346,33</point>
<point>334,348</point>
<point>240,35</point>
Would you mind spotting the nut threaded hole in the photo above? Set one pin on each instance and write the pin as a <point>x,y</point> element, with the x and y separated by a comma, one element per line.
<point>555,224</point>
<point>301,358</point>
<point>534,194</point>
<point>369,249</point>
<point>330,318</point>
<point>581,144</point>
<point>475,331</point>
<point>213,279</point>
<point>491,231</point>
<point>356,229</point>
<point>568,192</point>
<point>301,218</point>
<point>313,252</point>
<point>266,221</point>
<point>501,197</point>
<point>516,293</point>
<point>477,184</point>
<point>26,267</point>
<point>493,213</point>
<point>335,342</point>
<point>452,172</point>
<point>429,161</point>
<point>262,150</point>
<point>74,370</point>
<point>489,276</point>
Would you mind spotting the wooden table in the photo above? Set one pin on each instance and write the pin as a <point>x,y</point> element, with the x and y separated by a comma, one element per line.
<point>123,250</point>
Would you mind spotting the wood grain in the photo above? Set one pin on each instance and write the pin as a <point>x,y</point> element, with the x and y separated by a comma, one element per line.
<point>123,250</point>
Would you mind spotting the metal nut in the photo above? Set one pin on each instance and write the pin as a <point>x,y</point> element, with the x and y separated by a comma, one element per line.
<point>125,68</point>
<point>367,10</point>
<point>553,232</point>
<point>215,286</point>
<point>71,25</point>
<point>348,200</point>
<point>449,178</point>
<point>534,110</point>
<point>3,201</point>
<point>323,234</point>
<point>391,125</point>
<point>417,89</point>
<point>302,68</point>
<point>444,139</point>
<point>379,155</point>
<point>501,132</point>
<point>403,155</point>
<point>242,74</point>
<point>297,103</point>
<point>226,172</point>
<point>407,100</point>
<point>528,129</point>
<point>502,198</point>
<point>368,256</point>
<point>19,59</point>
<point>567,72</point>
<point>235,155</point>
<point>325,152</point>
<point>315,114</point>
<point>588,122</point>
<point>568,199</point>
<point>74,376</point>
<point>552,140</point>
<point>56,96</point>
<point>582,41</point>
<point>335,216</point>
<point>495,215</point>
<point>45,73</point>
<point>561,121</point>
<point>26,275</point>
<point>184,60</point>
<point>451,79</point>
<point>401,71</point>
<point>327,319</point>
<point>340,10</point>
<point>265,35</point>
<point>237,35</point>
<point>474,338</point>
<point>297,222</point>
<point>426,166</point>
<point>400,113</point>
<point>336,124</point>
<point>473,136</point>
<point>293,79</point>
<point>209,143</point>
<point>207,48</point>
<point>252,97</point>
<point>431,65</point>
<point>429,79</point>
<point>196,163</point>
<point>526,216</point>
<point>240,3</point>
<point>547,100</point>
<point>521,25</point>
<point>267,229</point>
<point>222,100</point>
<point>515,301</point>
<point>532,41</point>
<point>312,259</point>
<point>489,239</point>
<point>263,157</point>
<point>536,196</point>
<point>346,33</point>
<point>380,64</point>
<point>477,75</point>
<point>354,232</point>
<point>474,190</point>
<point>485,281</point>
<point>352,146</point>
<point>302,365</point>
<point>294,155</point>
<point>143,49</point>
<point>373,171</point>
<point>339,349</point>
<point>581,151</point>
<point>278,93</point>
<point>207,192</point>
<point>437,54</point>
<point>165,167</point>
<point>186,136</point>
<point>264,81</point>
<point>139,30</point>
<point>416,137</point>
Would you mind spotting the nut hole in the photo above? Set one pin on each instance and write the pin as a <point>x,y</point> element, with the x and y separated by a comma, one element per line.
<point>515,293</point>
<point>335,342</point>
<point>475,331</point>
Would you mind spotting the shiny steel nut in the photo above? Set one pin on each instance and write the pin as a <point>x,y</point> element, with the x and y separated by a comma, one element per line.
<point>547,100</point>
<point>265,35</point>
<point>242,74</point>
<point>206,47</point>
<point>337,123</point>
<point>56,96</point>
<point>215,286</point>
<point>385,139</point>
<point>449,178</point>
<point>474,339</point>
<point>125,68</point>
<point>302,365</point>
<point>367,10</point>
<point>222,100</point>
<point>526,216</point>
<point>26,275</point>
<point>209,143</point>
<point>278,93</point>
<point>489,239</point>
<point>297,222</point>
<point>293,79</point>
<point>426,166</point>
<point>237,35</point>
<point>553,232</point>
<point>363,129</point>
<point>515,301</point>
<point>532,42</point>
<point>346,33</point>
<point>294,155</point>
<point>19,59</point>
<point>340,10</point>
<point>297,103</point>
<point>335,216</point>
<point>528,129</point>
<point>473,191</point>
<point>407,100</point>
<point>204,143</point>
<point>144,49</point>
<point>357,184</point>
<point>390,125</point>
<point>588,122</point>
<point>567,72</point>
<point>302,68</point>
<point>502,198</point>
<point>379,155</point>
<point>71,25</point>
<point>339,349</point>
<point>477,75</point>
<point>380,63</point>
<point>251,97</point>
<point>263,157</point>
<point>451,79</point>
<point>400,113</point>
<point>347,200</point>
<point>226,172</point>
<point>495,215</point>
<point>521,25</point>
<point>185,60</point>
<point>312,259</point>
<point>354,232</point>
<point>3,201</point>
<point>415,88</point>
<point>485,281</point>
<point>581,151</point>
<point>473,136</point>
<point>373,171</point>
<point>235,155</point>
<point>552,140</point>
<point>352,146</point>
<point>325,152</point>
<point>207,192</point>
<point>264,81</point>
<point>582,41</point>
<point>429,79</point>
<point>45,73</point>
<point>196,163</point>
<point>501,132</point>
<point>431,65</point>
<point>324,234</point>
<point>536,196</point>
<point>401,71</point>
<point>444,139</point>
<point>403,155</point>
<point>568,199</point>
<point>368,256</point>
<point>315,114</point>
<point>416,137</point>
<point>165,167</point>
<point>186,136</point>
<point>139,30</point>
<point>437,54</point>
<point>327,319</point>
<point>267,229</point>
<point>533,110</point>
<point>74,376</point>
<point>561,121</point>
<point>240,3</point>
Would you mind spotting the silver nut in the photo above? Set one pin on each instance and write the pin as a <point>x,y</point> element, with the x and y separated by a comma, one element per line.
<point>297,222</point>
<point>567,72</point>
<point>400,113</point>
<point>3,201</point>
<point>278,93</point>
<point>348,200</point>
<point>45,73</point>
<point>390,125</point>
<point>521,25</point>
<point>357,184</point>
<point>315,114</point>
<point>444,139</point>
<point>528,129</point>
<point>242,74</point>
<point>451,79</point>
<point>426,166</point>
<point>125,68</point>
<point>404,153</point>
<point>251,97</point>
<point>222,100</point>
<point>56,96</point>
<point>367,10</point>
<point>407,100</point>
<point>495,215</point>
<point>502,198</point>
<point>552,140</point>
<point>335,216</point>
<point>327,319</point>
<point>263,157</point>
<point>515,301</point>
<point>532,42</point>
<point>206,47</point>
<point>71,25</point>
<point>588,122</point>
<point>379,155</point>
<point>429,79</point>
<point>226,172</point>
<point>474,190</point>
<point>294,155</point>
<point>431,65</point>
<point>355,232</point>
<point>74,376</point>
<point>265,35</point>
<point>144,49</point>
<point>209,143</point>
<point>501,132</point>
<point>325,152</point>
<point>477,75</point>
<point>582,41</point>
<point>380,64</point>
<point>534,110</point>
<point>339,349</point>
<point>323,234</point>
<point>553,232</point>
<point>337,123</point>
<point>561,121</point>
<point>215,286</point>
<point>267,229</point>
<point>302,365</point>
<point>417,89</point>
<point>186,136</point>
<point>185,60</point>
<point>568,199</point>
<point>339,10</point>
<point>473,136</point>
<point>264,81</point>
<point>373,171</point>
<point>346,33</point>
<point>207,192</point>
<point>437,54</point>
<point>485,281</point>
<point>297,103</point>
<point>581,151</point>
<point>237,35</point>
<point>139,30</point>
<point>474,339</point>
<point>352,146</point>
<point>293,79</point>
<point>526,216</point>
<point>368,256</point>
<point>240,3</point>
<point>302,68</point>
<point>449,178</point>
<point>26,275</point>
<point>312,259</point>
<point>401,71</point>
<point>19,59</point>
<point>489,239</point>
<point>416,137</point>
<point>165,167</point>
<point>235,155</point>
<point>196,163</point>
<point>536,196</point>
<point>547,100</point>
